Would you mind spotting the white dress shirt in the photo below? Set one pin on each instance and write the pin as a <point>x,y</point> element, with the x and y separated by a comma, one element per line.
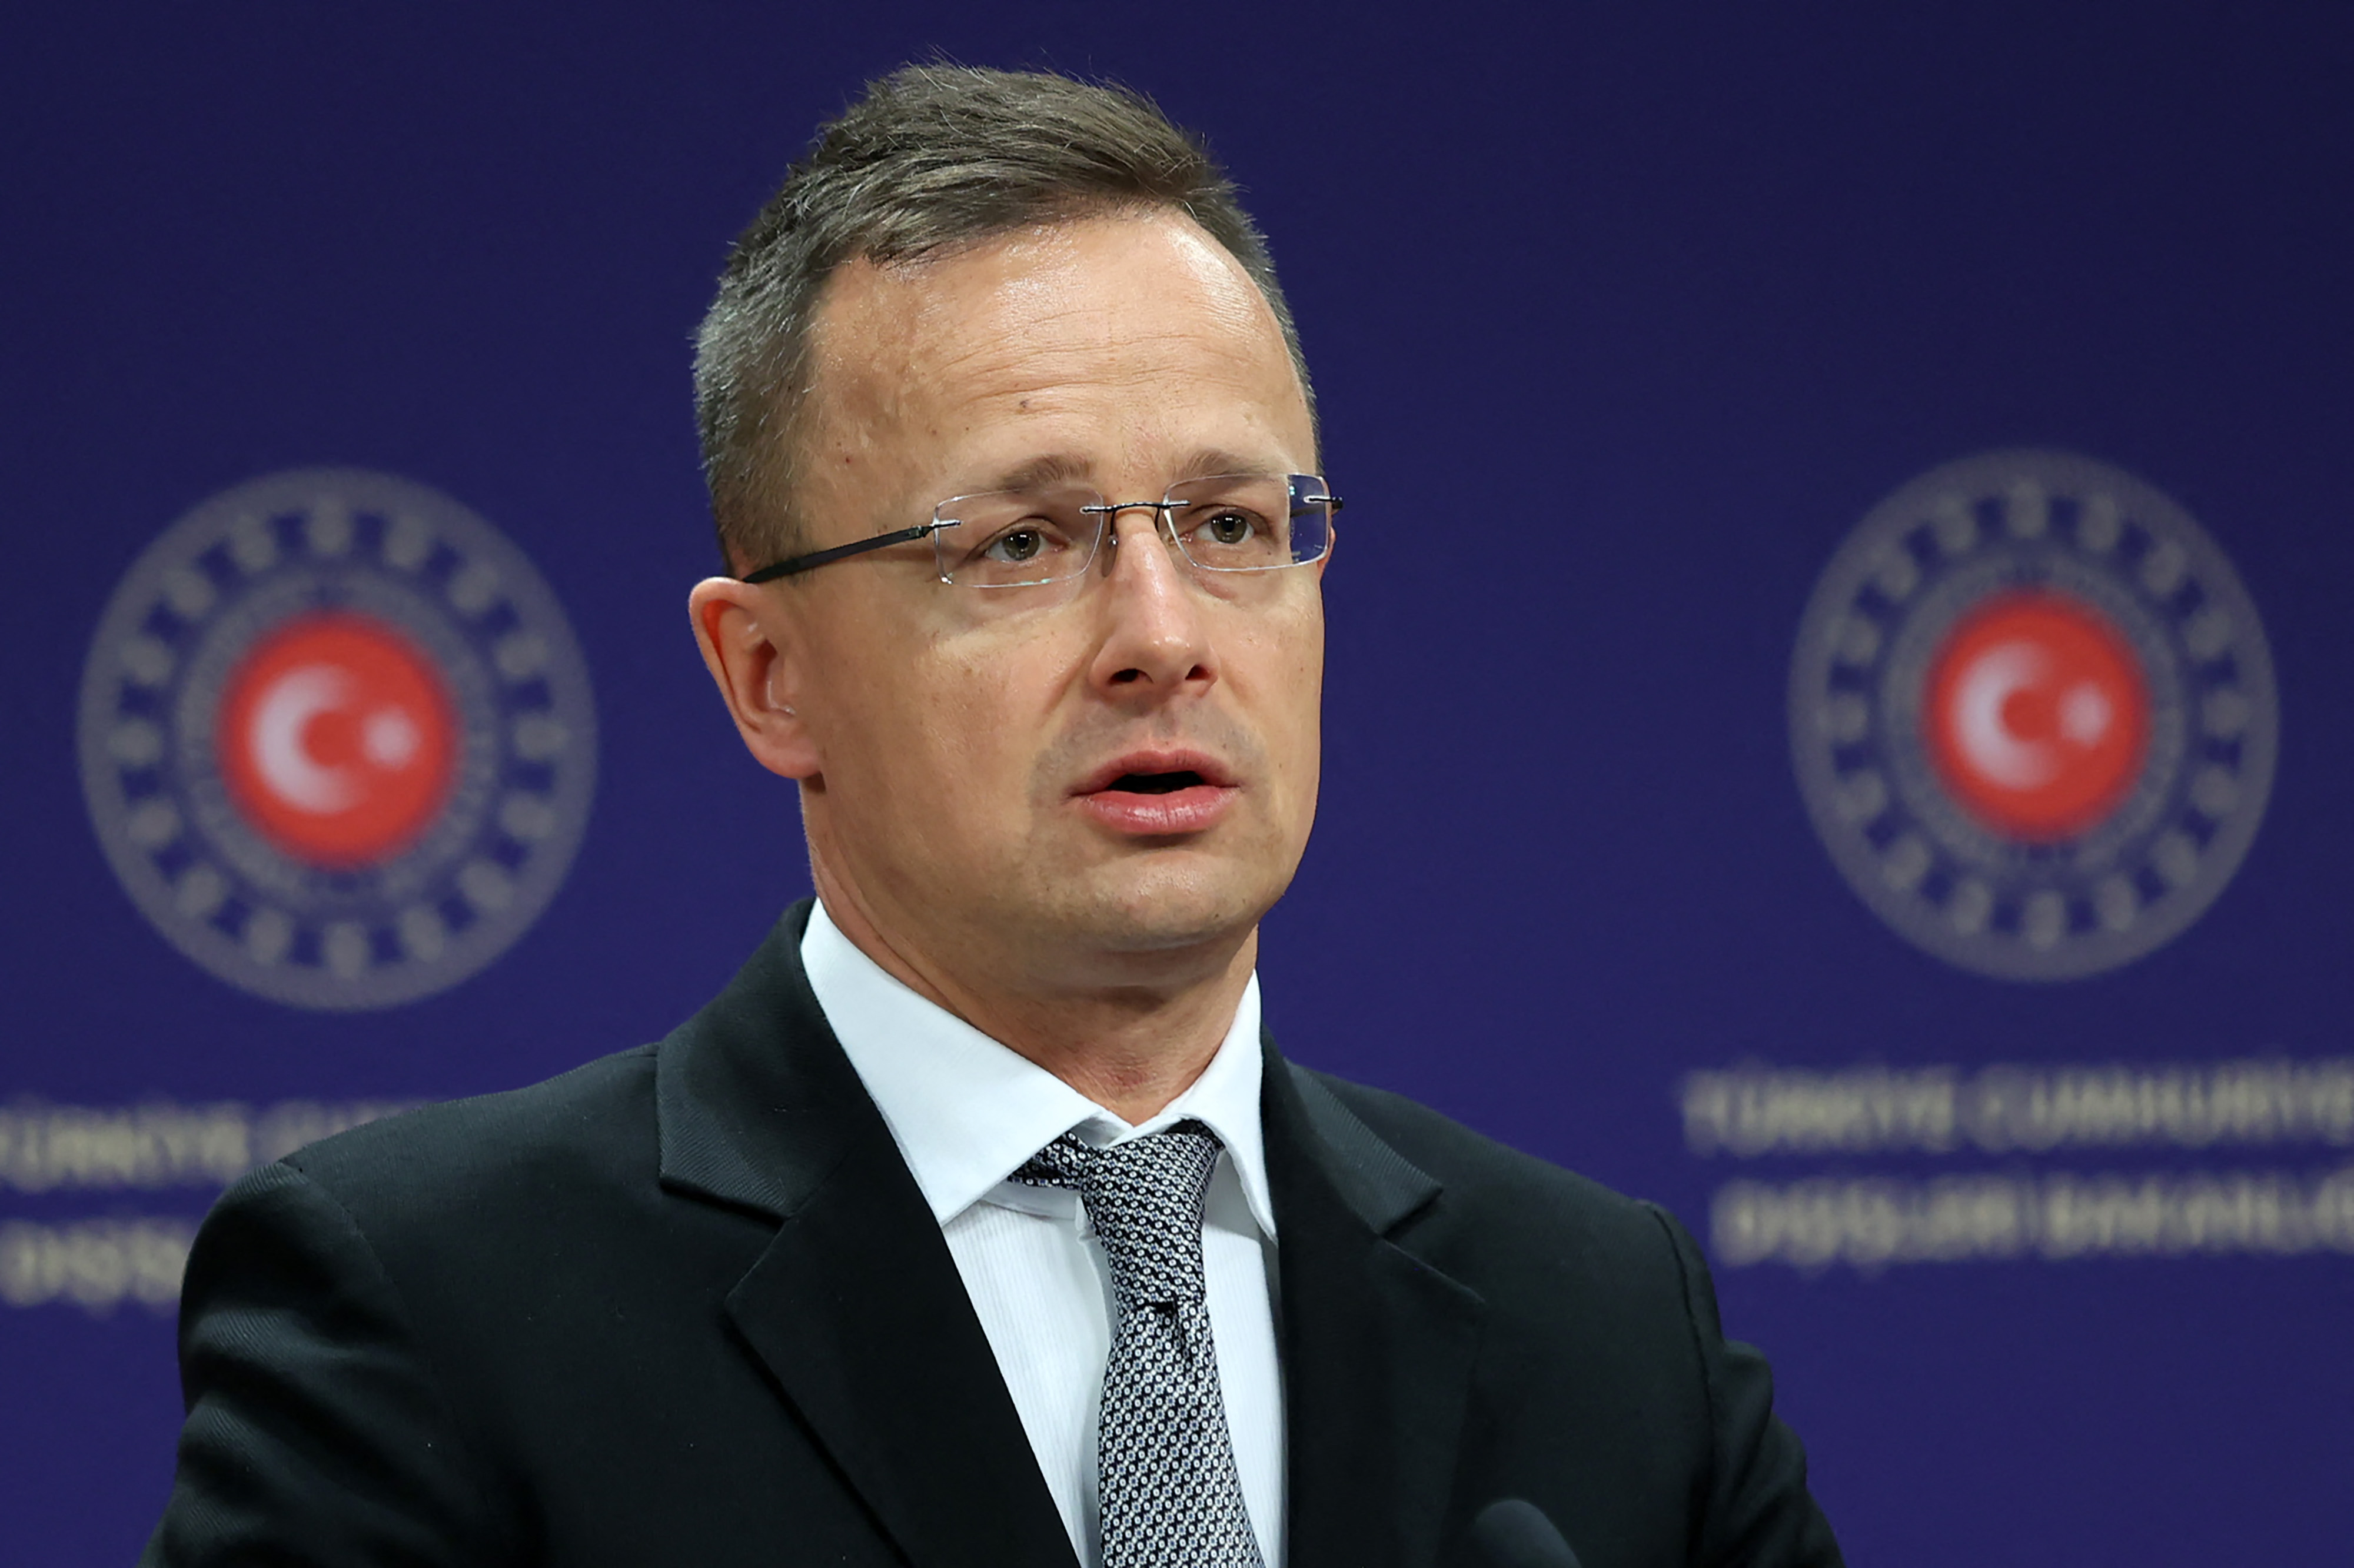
<point>967,1112</point>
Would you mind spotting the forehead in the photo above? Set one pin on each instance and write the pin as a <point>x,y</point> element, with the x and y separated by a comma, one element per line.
<point>1107,342</point>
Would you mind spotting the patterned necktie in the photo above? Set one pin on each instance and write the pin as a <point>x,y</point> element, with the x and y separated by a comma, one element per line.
<point>1164,1464</point>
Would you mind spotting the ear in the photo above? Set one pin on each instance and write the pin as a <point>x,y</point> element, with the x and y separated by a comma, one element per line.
<point>745,633</point>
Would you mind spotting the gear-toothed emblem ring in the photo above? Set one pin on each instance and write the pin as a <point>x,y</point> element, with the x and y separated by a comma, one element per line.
<point>2033,715</point>
<point>337,739</point>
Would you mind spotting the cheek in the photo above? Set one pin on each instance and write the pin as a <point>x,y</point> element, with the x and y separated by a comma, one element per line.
<point>904,747</point>
<point>1291,663</point>
<point>988,714</point>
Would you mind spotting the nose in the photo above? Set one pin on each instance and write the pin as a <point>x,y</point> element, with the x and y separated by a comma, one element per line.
<point>1156,636</point>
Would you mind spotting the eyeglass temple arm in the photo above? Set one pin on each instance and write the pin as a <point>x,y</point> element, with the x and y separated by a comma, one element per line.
<point>792,565</point>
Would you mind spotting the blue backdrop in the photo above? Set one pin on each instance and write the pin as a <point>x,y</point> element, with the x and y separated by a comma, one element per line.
<point>1662,298</point>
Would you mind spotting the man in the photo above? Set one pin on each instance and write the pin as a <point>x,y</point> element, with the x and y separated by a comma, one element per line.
<point>975,1223</point>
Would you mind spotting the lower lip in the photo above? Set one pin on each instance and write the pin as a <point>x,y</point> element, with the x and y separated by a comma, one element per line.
<point>1187,810</point>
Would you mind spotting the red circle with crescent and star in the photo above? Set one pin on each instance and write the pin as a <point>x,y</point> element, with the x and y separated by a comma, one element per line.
<point>2037,714</point>
<point>337,739</point>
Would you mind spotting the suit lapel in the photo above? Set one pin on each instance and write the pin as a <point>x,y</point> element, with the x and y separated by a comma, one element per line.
<point>864,1323</point>
<point>855,1308</point>
<point>1377,1345</point>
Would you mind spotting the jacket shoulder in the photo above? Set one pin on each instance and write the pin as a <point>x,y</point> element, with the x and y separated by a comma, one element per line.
<point>1490,1186</point>
<point>589,1125</point>
<point>1604,1366</point>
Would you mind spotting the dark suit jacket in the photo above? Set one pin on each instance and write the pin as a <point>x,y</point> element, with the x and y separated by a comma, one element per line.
<point>686,1305</point>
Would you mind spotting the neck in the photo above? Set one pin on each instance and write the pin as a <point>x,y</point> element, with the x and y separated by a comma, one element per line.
<point>1130,1045</point>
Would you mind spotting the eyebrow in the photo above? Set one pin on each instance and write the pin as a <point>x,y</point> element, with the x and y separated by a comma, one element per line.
<point>1057,468</point>
<point>1053,468</point>
<point>1210,461</point>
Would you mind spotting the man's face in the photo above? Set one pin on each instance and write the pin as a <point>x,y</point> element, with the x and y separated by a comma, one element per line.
<point>993,766</point>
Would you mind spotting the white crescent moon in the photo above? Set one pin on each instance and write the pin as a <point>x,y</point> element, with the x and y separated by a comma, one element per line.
<point>284,712</point>
<point>1986,743</point>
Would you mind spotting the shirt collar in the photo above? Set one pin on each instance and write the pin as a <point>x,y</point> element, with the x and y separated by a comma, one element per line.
<point>967,1111</point>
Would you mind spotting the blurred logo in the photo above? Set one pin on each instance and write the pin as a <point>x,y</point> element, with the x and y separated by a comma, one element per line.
<point>2033,715</point>
<point>337,739</point>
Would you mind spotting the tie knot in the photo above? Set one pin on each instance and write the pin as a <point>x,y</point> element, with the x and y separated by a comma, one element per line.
<point>1145,1199</point>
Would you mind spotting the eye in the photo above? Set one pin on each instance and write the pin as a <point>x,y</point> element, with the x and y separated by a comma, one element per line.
<point>1017,546</point>
<point>1228,528</point>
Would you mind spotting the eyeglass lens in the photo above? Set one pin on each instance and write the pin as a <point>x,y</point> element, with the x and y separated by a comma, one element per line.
<point>1228,523</point>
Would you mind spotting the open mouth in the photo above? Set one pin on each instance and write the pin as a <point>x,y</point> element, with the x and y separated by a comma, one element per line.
<point>1159,794</point>
<point>1156,783</point>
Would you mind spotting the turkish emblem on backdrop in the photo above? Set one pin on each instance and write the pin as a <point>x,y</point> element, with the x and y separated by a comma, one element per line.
<point>337,739</point>
<point>2033,715</point>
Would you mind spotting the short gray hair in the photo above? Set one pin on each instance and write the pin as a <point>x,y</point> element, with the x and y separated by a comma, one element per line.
<point>933,158</point>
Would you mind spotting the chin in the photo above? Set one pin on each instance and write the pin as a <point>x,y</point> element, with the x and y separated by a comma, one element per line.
<point>1147,908</point>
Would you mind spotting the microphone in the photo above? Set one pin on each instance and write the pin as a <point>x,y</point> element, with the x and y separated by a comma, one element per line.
<point>1513,1532</point>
